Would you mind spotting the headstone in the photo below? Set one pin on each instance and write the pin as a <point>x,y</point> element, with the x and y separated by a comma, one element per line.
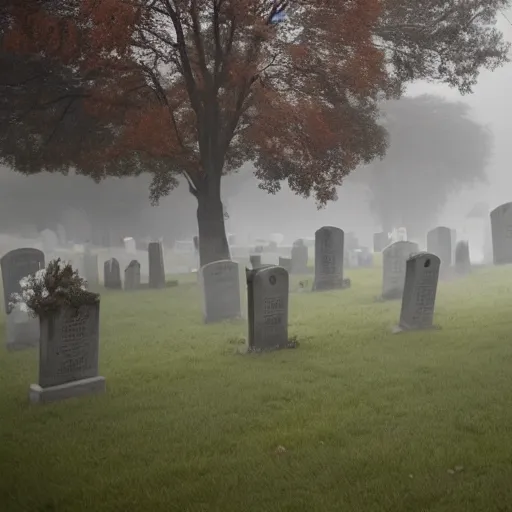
<point>16,265</point>
<point>132,276</point>
<point>299,257</point>
<point>380,241</point>
<point>129,245</point>
<point>90,266</point>
<point>68,355</point>
<point>156,265</point>
<point>22,329</point>
<point>418,300</point>
<point>255,260</point>
<point>501,225</point>
<point>328,258</point>
<point>439,242</point>
<point>268,290</point>
<point>286,263</point>
<point>394,258</point>
<point>112,274</point>
<point>221,291</point>
<point>462,258</point>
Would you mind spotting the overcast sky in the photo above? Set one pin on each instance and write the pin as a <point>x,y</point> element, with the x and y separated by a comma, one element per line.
<point>491,103</point>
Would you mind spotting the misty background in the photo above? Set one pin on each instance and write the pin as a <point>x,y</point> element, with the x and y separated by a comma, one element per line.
<point>105,213</point>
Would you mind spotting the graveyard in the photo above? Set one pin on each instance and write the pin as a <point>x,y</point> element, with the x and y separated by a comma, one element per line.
<point>356,417</point>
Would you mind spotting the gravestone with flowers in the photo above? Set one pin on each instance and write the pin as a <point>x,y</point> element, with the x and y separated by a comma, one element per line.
<point>69,333</point>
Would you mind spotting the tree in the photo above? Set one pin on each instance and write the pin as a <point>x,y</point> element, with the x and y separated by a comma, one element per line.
<point>198,87</point>
<point>435,149</point>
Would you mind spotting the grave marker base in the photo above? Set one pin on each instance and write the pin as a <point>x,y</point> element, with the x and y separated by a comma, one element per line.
<point>77,388</point>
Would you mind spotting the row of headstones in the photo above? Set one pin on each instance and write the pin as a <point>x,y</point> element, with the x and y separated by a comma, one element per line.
<point>442,237</point>
<point>394,259</point>
<point>268,293</point>
<point>132,279</point>
<point>69,343</point>
<point>329,259</point>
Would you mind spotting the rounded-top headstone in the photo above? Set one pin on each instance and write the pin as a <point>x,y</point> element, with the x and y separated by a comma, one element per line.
<point>220,285</point>
<point>418,300</point>
<point>329,247</point>
<point>394,259</point>
<point>16,265</point>
<point>501,226</point>
<point>268,290</point>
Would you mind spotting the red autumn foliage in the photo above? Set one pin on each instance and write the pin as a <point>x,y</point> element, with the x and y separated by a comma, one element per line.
<point>198,87</point>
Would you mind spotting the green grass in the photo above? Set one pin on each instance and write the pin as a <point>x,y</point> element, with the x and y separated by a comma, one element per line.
<point>370,421</point>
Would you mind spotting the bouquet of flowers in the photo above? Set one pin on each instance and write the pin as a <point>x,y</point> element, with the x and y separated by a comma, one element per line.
<point>52,288</point>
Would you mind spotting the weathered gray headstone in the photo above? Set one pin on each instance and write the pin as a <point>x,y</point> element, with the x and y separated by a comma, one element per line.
<point>220,285</point>
<point>501,225</point>
<point>380,241</point>
<point>268,290</point>
<point>156,265</point>
<point>112,274</point>
<point>328,258</point>
<point>439,242</point>
<point>22,329</point>
<point>16,265</point>
<point>394,258</point>
<point>68,355</point>
<point>299,257</point>
<point>132,276</point>
<point>462,258</point>
<point>286,263</point>
<point>419,297</point>
<point>255,260</point>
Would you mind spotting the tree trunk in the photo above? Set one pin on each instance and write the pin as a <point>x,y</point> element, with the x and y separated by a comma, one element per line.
<point>213,243</point>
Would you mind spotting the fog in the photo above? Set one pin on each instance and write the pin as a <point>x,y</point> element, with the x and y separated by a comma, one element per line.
<point>104,213</point>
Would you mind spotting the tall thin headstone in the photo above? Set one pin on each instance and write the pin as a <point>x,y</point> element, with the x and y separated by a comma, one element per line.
<point>22,330</point>
<point>501,226</point>
<point>268,290</point>
<point>16,265</point>
<point>112,274</point>
<point>419,297</point>
<point>328,258</point>
<point>156,265</point>
<point>394,258</point>
<point>221,291</point>
<point>132,276</point>
<point>439,242</point>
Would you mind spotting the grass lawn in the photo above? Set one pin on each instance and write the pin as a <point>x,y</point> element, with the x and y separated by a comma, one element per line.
<point>369,421</point>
